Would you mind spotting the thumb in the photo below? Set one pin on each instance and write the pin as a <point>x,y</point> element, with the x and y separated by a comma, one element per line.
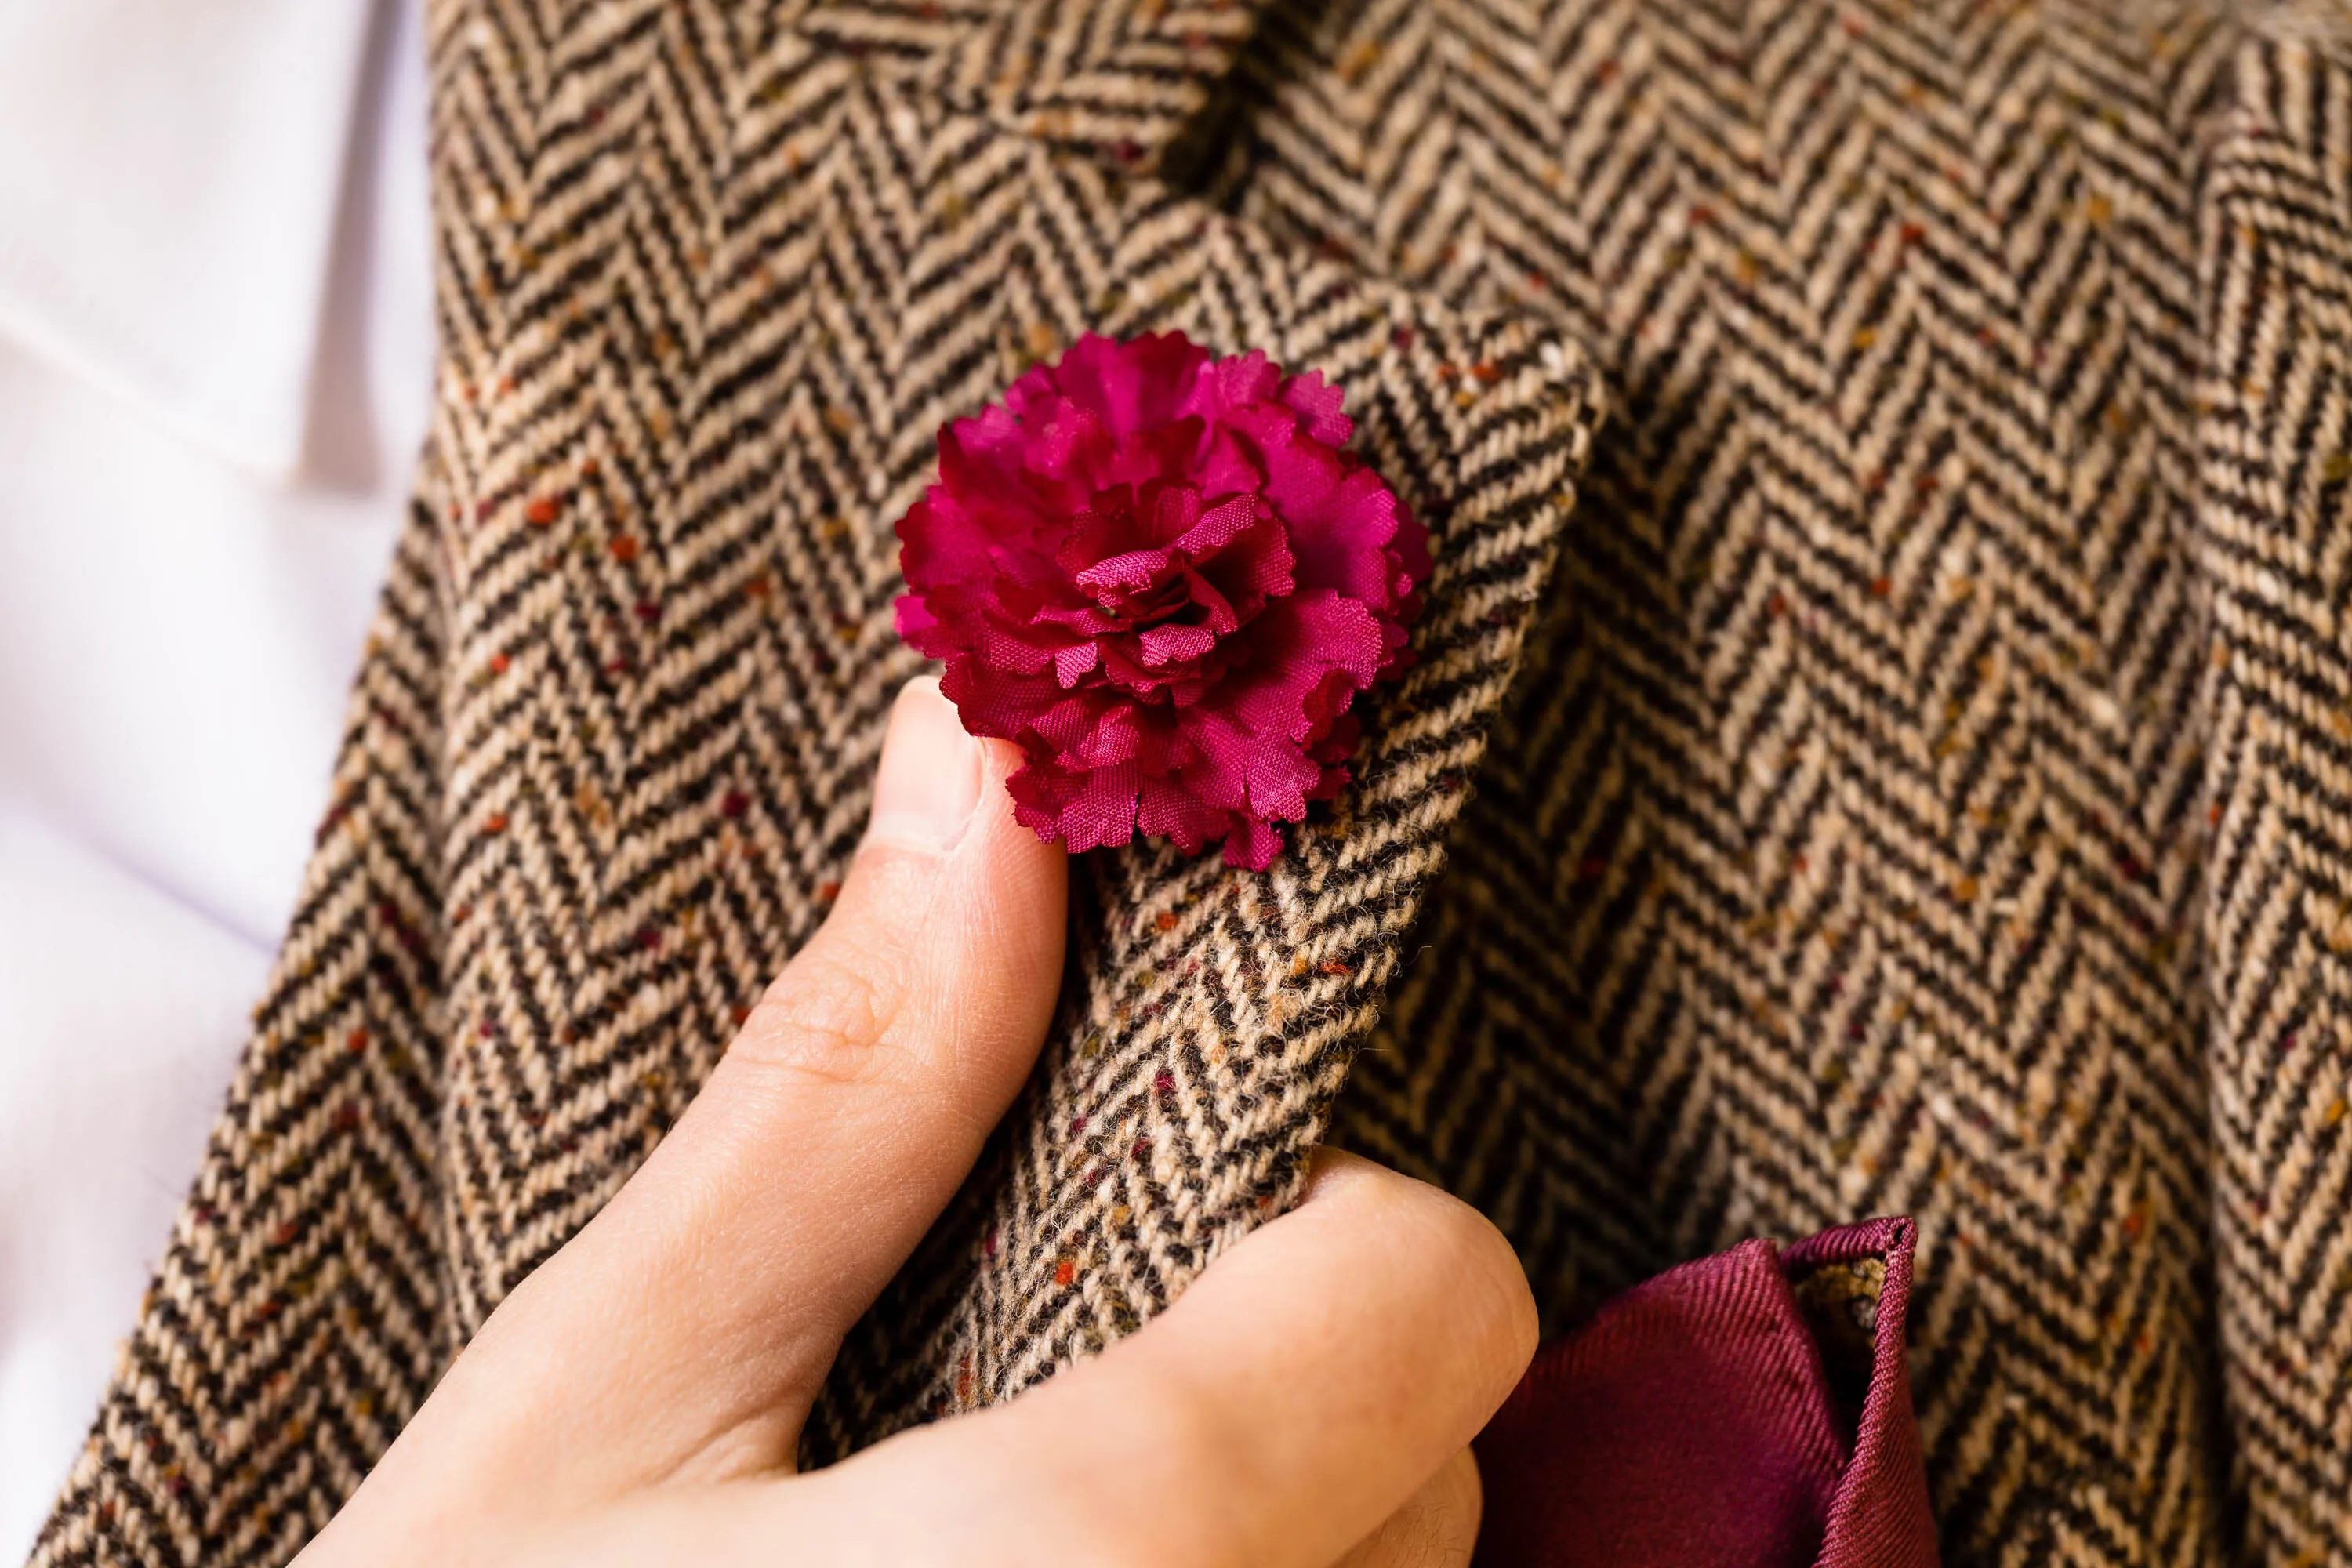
<point>858,1093</point>
<point>686,1330</point>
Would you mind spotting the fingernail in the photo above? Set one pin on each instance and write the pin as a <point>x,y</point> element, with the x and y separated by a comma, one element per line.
<point>929,784</point>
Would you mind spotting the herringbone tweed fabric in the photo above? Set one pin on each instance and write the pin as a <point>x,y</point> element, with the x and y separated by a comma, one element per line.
<point>1926,786</point>
<point>1927,792</point>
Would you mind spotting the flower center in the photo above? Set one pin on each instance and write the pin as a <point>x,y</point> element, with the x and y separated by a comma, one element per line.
<point>1169,574</point>
<point>1172,603</point>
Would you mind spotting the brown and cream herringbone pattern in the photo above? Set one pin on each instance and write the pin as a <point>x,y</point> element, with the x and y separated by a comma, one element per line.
<point>1852,842</point>
<point>2273,549</point>
<point>1927,785</point>
<point>707,290</point>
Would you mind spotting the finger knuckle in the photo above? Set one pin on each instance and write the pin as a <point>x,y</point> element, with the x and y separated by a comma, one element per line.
<point>1489,1309</point>
<point>1488,1279</point>
<point>827,1021</point>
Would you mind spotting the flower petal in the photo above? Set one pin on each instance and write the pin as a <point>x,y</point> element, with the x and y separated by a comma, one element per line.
<point>1159,575</point>
<point>1316,404</point>
<point>1253,846</point>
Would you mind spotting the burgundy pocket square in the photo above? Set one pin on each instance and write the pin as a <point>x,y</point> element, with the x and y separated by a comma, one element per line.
<point>1749,1410</point>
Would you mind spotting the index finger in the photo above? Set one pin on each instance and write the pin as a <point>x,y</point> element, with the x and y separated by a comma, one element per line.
<point>1302,1389</point>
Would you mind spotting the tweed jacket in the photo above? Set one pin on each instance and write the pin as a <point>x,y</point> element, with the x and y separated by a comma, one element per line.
<point>1879,742</point>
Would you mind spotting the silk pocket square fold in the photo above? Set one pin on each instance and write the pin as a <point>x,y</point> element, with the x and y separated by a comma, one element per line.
<point>1749,1410</point>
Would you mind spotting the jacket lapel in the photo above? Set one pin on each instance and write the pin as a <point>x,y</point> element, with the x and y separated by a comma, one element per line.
<point>710,282</point>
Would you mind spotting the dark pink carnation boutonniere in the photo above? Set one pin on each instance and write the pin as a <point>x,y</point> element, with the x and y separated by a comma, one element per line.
<point>1162,576</point>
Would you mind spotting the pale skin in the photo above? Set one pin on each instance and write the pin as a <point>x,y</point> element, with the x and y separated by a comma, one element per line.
<point>638,1400</point>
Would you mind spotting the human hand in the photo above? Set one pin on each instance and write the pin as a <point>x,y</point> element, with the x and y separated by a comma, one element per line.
<point>639,1398</point>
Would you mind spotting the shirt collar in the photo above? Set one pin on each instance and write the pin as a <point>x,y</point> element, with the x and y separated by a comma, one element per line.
<point>171,170</point>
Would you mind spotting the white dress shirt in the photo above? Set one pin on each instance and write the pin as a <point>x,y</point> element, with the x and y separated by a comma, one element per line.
<point>215,342</point>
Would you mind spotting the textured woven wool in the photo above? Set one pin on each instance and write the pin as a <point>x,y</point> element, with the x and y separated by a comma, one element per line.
<point>1920,774</point>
